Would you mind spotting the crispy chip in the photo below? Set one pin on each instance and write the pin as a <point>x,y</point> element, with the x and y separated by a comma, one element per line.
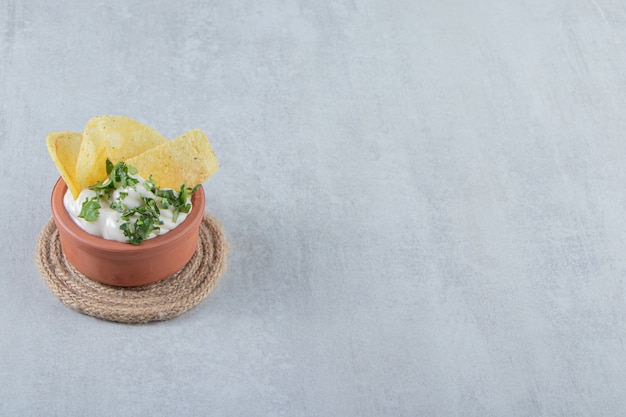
<point>187,159</point>
<point>117,138</point>
<point>64,148</point>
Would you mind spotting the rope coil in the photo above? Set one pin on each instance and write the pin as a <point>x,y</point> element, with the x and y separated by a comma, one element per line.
<point>159,301</point>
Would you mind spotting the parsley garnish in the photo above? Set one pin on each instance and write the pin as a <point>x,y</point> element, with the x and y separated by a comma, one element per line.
<point>119,175</point>
<point>90,210</point>
<point>139,222</point>
<point>118,205</point>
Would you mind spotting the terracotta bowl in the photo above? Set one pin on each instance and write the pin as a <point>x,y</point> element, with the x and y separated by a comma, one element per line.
<point>123,264</point>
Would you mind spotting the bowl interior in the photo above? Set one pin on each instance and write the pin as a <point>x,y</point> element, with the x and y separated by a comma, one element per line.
<point>63,220</point>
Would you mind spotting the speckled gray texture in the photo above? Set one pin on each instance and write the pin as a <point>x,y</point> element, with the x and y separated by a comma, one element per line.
<point>425,202</point>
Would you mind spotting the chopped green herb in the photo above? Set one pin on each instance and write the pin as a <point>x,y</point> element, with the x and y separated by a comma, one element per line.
<point>109,166</point>
<point>118,205</point>
<point>90,210</point>
<point>119,175</point>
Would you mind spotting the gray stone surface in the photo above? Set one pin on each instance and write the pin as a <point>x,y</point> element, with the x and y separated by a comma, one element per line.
<point>425,203</point>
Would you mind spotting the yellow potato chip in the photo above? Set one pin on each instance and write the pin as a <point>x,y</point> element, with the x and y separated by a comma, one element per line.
<point>187,159</point>
<point>117,138</point>
<point>64,148</point>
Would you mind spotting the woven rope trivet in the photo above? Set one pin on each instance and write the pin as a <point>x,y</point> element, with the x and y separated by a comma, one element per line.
<point>162,300</point>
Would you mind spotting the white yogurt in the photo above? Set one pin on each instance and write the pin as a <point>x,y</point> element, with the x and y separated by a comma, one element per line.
<point>109,220</point>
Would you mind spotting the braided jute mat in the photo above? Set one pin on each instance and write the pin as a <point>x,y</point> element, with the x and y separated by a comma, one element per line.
<point>159,301</point>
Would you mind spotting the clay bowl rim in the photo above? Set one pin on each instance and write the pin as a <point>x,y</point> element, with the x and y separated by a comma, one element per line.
<point>63,220</point>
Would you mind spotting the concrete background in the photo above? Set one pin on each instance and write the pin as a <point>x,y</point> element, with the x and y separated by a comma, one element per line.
<point>425,203</point>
